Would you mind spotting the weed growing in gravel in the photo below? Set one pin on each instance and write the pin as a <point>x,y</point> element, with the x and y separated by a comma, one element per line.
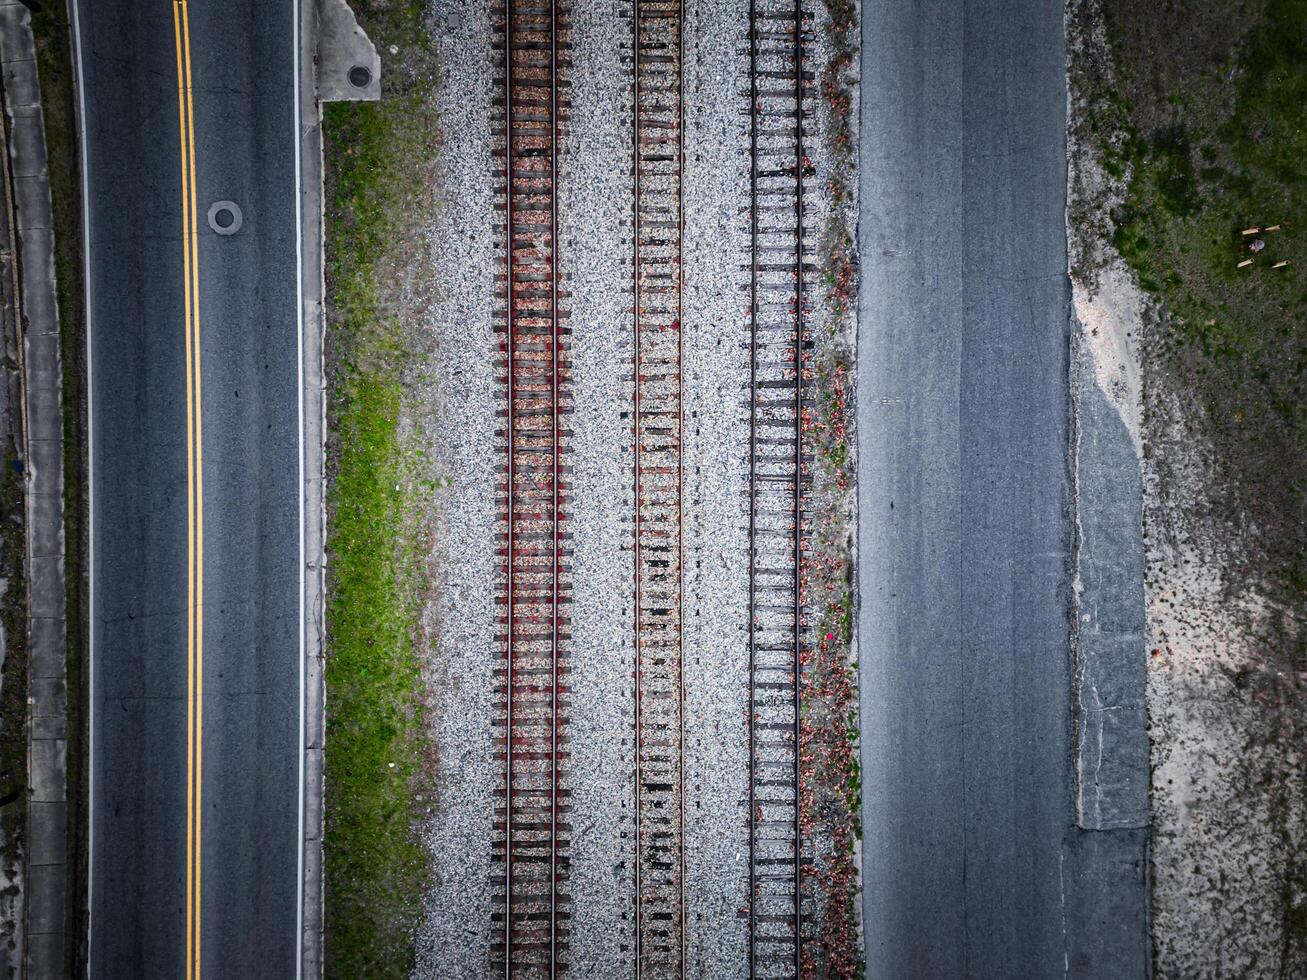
<point>829,800</point>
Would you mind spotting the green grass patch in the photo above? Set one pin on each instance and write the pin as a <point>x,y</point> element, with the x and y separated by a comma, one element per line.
<point>1207,122</point>
<point>377,155</point>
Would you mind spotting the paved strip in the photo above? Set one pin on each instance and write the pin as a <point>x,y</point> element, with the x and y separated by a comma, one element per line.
<point>236,699</point>
<point>973,864</point>
<point>40,935</point>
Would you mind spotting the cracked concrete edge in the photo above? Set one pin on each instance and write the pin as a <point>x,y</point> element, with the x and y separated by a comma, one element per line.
<point>313,449</point>
<point>42,390</point>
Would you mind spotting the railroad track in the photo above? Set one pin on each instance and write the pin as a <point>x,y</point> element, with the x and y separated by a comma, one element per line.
<point>659,688</point>
<point>780,470</point>
<point>530,921</point>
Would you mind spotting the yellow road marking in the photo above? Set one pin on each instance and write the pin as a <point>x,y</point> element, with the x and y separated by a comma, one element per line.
<point>194,490</point>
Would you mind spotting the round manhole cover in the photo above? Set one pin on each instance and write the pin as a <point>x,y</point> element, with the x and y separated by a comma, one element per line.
<point>360,77</point>
<point>225,217</point>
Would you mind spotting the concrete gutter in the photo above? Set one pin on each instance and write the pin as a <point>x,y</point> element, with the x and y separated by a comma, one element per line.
<point>46,904</point>
<point>332,47</point>
<point>1108,637</point>
<point>313,474</point>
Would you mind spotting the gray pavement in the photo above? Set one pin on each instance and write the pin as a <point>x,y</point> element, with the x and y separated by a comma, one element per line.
<point>974,863</point>
<point>246,137</point>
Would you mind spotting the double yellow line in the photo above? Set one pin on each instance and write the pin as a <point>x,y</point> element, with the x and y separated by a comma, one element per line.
<point>194,491</point>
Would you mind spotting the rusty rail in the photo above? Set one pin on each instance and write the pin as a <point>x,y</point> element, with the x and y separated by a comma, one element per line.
<point>531,919</point>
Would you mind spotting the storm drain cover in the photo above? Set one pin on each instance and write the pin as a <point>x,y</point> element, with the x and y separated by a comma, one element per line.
<point>225,217</point>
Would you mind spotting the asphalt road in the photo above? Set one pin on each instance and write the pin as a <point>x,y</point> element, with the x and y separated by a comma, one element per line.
<point>973,864</point>
<point>215,814</point>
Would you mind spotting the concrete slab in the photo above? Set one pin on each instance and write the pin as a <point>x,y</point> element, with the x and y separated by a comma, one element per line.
<point>314,718</point>
<point>45,456</point>
<point>45,375</point>
<point>45,899</point>
<point>27,142</point>
<point>15,33</point>
<point>42,401</point>
<point>45,956</point>
<point>32,196</point>
<point>21,86</point>
<point>46,843</point>
<point>46,656</point>
<point>42,347</point>
<point>47,587</point>
<point>37,263</point>
<point>46,533</point>
<point>48,761</point>
<point>49,696</point>
<point>1106,873</point>
<point>349,68</point>
<point>48,727</point>
<point>313,814</point>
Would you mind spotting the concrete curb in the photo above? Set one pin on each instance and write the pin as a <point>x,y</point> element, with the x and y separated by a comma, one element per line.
<point>313,472</point>
<point>43,392</point>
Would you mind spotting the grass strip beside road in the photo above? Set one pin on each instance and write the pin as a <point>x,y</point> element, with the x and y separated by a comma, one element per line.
<point>376,865</point>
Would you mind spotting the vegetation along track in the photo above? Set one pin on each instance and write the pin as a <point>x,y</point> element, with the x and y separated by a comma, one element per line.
<point>779,471</point>
<point>659,682</point>
<point>530,930</point>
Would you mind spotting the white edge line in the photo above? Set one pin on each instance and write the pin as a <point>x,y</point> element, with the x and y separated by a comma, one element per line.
<point>296,36</point>
<point>80,81</point>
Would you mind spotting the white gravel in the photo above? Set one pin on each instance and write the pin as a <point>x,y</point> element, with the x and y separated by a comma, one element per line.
<point>464,395</point>
<point>595,214</point>
<point>716,374</point>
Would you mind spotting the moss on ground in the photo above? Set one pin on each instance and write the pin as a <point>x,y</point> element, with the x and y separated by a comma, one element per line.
<point>376,865</point>
<point>1206,124</point>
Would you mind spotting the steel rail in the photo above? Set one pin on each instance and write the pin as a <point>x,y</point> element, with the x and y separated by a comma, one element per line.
<point>799,341</point>
<point>753,470</point>
<point>511,488</point>
<point>635,430</point>
<point>556,544</point>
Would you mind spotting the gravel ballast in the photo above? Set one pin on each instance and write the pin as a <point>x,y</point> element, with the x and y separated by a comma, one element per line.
<point>464,395</point>
<point>462,376</point>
